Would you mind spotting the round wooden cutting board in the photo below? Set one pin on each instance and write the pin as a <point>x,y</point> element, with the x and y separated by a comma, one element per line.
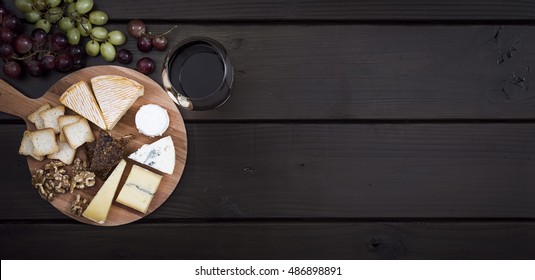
<point>15,103</point>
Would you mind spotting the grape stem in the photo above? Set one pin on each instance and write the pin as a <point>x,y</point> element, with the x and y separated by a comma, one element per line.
<point>150,35</point>
<point>15,57</point>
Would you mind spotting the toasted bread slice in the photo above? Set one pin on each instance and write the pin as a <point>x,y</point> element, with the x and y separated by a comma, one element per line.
<point>66,120</point>
<point>44,142</point>
<point>65,154</point>
<point>50,117</point>
<point>34,117</point>
<point>26,146</point>
<point>80,99</point>
<point>78,133</point>
<point>115,95</point>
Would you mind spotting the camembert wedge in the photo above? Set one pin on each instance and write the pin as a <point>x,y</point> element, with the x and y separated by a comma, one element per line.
<point>115,95</point>
<point>159,155</point>
<point>139,189</point>
<point>97,211</point>
<point>80,99</point>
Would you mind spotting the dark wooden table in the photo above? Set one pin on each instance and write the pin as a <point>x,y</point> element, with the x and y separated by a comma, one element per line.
<point>356,130</point>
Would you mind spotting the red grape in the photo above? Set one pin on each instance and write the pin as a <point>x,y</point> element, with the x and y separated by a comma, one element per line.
<point>124,56</point>
<point>59,41</point>
<point>6,35</point>
<point>136,28</point>
<point>76,52</point>
<point>77,65</point>
<point>63,63</point>
<point>34,68</point>
<point>159,43</point>
<point>3,12</point>
<point>39,36</point>
<point>48,62</point>
<point>10,21</point>
<point>12,69</point>
<point>144,44</point>
<point>6,51</point>
<point>22,44</point>
<point>145,65</point>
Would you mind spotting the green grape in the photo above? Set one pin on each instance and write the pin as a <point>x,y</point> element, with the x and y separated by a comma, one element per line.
<point>40,5</point>
<point>73,35</point>
<point>54,14</point>
<point>68,1</point>
<point>99,34</point>
<point>71,11</point>
<point>107,51</point>
<point>117,38</point>
<point>53,3</point>
<point>98,17</point>
<point>66,23</point>
<point>84,26</point>
<point>24,5</point>
<point>32,16</point>
<point>43,24</point>
<point>84,6</point>
<point>92,48</point>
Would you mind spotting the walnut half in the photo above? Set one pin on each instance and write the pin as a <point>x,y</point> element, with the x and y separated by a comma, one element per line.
<point>82,180</point>
<point>79,205</point>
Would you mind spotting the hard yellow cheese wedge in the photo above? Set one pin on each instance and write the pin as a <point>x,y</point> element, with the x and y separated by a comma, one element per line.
<point>99,207</point>
<point>80,99</point>
<point>139,189</point>
<point>115,95</point>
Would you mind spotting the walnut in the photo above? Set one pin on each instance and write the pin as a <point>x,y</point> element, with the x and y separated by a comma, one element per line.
<point>39,181</point>
<point>83,180</point>
<point>79,205</point>
<point>55,166</point>
<point>79,166</point>
<point>51,181</point>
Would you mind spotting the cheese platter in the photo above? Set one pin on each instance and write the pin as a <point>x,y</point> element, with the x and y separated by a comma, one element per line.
<point>87,147</point>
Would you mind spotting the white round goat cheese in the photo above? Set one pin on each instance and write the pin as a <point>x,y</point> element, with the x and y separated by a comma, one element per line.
<point>152,120</point>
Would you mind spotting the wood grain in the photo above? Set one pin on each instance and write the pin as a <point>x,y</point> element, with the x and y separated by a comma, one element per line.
<point>362,72</point>
<point>154,94</point>
<point>331,170</point>
<point>271,240</point>
<point>311,10</point>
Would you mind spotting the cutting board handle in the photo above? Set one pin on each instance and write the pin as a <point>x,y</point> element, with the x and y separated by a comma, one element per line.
<point>14,102</point>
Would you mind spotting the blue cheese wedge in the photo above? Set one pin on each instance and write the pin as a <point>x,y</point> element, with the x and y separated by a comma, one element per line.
<point>99,207</point>
<point>139,189</point>
<point>159,155</point>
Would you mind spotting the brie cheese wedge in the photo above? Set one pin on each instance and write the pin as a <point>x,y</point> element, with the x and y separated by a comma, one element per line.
<point>80,99</point>
<point>115,95</point>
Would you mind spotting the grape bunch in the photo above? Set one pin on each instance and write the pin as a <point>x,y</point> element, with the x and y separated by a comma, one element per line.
<point>77,20</point>
<point>146,41</point>
<point>37,53</point>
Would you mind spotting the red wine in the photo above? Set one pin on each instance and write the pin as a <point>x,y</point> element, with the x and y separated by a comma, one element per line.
<point>197,71</point>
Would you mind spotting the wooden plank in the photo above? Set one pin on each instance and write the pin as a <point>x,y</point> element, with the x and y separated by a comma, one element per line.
<point>274,240</point>
<point>310,10</point>
<point>329,170</point>
<point>364,72</point>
